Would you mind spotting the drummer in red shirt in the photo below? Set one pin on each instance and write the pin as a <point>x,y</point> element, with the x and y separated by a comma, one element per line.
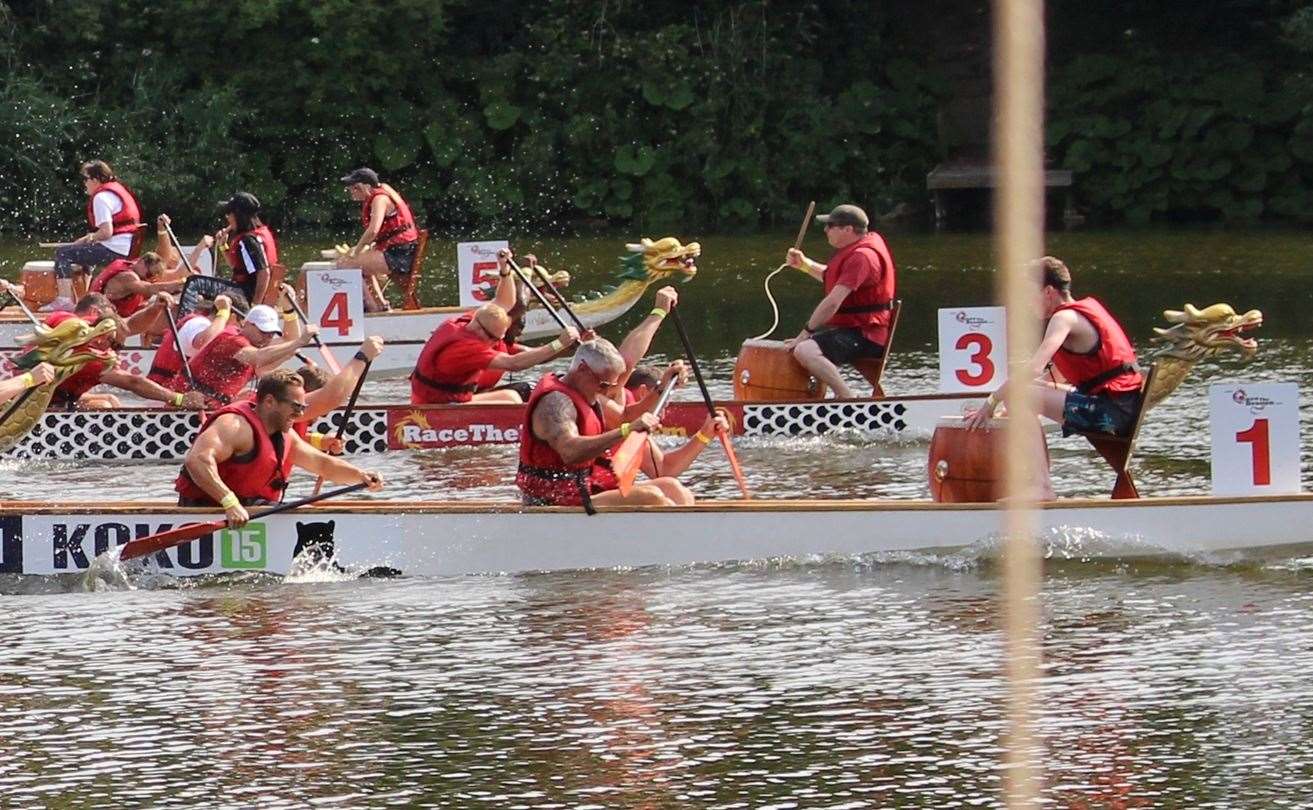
<point>852,321</point>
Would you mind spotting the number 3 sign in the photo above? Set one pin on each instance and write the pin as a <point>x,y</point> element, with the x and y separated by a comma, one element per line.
<point>973,348</point>
<point>1255,438</point>
<point>336,304</point>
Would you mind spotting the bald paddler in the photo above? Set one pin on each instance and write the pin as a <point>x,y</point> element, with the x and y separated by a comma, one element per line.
<point>852,321</point>
<point>245,452</point>
<point>390,239</point>
<point>570,430</point>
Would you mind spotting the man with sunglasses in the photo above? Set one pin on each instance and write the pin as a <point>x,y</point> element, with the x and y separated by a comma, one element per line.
<point>571,427</point>
<point>245,452</point>
<point>852,321</point>
<point>459,352</point>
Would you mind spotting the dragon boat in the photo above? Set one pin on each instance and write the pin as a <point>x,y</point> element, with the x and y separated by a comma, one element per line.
<point>406,330</point>
<point>436,538</point>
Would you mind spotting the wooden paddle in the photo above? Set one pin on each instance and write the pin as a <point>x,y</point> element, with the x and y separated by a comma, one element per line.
<point>31,317</point>
<point>806,223</point>
<point>160,541</point>
<point>711,406</point>
<point>346,414</point>
<point>627,460</point>
<point>182,351</point>
<point>542,274</point>
<point>55,244</point>
<point>329,359</point>
<point>542,299</point>
<point>173,238</point>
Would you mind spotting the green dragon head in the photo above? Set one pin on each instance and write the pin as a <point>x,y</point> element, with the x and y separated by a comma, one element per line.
<point>654,261</point>
<point>1199,333</point>
<point>67,346</point>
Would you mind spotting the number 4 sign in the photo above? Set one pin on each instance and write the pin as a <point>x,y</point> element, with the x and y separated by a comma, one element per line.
<point>972,348</point>
<point>336,304</point>
<point>1255,438</point>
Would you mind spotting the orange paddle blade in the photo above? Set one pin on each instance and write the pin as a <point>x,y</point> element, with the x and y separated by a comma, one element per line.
<point>627,460</point>
<point>734,463</point>
<point>173,537</point>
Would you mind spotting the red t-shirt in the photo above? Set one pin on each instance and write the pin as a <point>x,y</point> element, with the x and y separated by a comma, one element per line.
<point>492,376</point>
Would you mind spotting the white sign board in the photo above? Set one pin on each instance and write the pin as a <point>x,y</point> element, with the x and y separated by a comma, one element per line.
<point>1255,438</point>
<point>335,302</point>
<point>476,262</point>
<point>973,349</point>
<point>204,263</point>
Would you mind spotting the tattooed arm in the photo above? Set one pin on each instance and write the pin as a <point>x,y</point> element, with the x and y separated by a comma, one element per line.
<point>554,422</point>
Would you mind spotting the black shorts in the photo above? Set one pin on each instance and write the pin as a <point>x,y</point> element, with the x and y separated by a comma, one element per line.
<point>1108,414</point>
<point>399,257</point>
<point>845,345</point>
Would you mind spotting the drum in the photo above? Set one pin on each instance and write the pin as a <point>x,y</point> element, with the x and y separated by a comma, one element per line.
<point>38,280</point>
<point>766,371</point>
<point>966,466</point>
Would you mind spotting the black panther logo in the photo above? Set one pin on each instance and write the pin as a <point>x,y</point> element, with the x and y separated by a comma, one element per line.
<point>315,546</point>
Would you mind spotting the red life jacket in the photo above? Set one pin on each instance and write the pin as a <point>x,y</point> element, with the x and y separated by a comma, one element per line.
<point>123,306</point>
<point>398,228</point>
<point>869,306</point>
<point>234,254</point>
<point>1110,367</point>
<point>168,360</point>
<point>260,475</point>
<point>128,217</point>
<point>430,382</point>
<point>219,375</point>
<point>543,477</point>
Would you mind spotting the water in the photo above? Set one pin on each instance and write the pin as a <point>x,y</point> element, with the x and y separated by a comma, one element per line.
<point>795,683</point>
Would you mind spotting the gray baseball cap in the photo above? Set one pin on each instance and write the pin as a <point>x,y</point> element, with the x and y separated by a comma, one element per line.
<point>845,215</point>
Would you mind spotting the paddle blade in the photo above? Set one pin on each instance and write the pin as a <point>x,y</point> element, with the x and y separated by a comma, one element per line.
<point>734,464</point>
<point>627,460</point>
<point>152,543</point>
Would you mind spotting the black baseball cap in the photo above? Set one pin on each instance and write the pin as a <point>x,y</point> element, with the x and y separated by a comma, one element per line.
<point>845,215</point>
<point>364,175</point>
<point>242,202</point>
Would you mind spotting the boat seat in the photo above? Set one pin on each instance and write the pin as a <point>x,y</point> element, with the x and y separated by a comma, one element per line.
<point>872,368</point>
<point>410,282</point>
<point>1116,450</point>
<point>277,275</point>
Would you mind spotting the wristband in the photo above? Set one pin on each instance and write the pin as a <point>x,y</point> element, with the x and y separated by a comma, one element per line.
<point>28,380</point>
<point>808,329</point>
<point>362,357</point>
<point>556,344</point>
<point>503,274</point>
<point>316,440</point>
<point>230,500</point>
<point>222,315</point>
<point>702,437</point>
<point>178,399</point>
<point>658,311</point>
<point>625,429</point>
<point>289,317</point>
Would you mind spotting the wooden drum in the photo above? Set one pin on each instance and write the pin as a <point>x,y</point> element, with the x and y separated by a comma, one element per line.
<point>966,466</point>
<point>38,280</point>
<point>766,371</point>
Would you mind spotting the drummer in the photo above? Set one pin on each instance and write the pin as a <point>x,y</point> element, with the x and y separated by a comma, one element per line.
<point>245,452</point>
<point>852,321</point>
<point>1096,389</point>
<point>389,240</point>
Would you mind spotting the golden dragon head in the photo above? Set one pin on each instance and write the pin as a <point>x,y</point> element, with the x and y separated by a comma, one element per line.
<point>69,346</point>
<point>1199,333</point>
<point>654,261</point>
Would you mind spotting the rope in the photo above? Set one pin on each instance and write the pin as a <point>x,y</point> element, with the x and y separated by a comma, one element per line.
<point>775,309</point>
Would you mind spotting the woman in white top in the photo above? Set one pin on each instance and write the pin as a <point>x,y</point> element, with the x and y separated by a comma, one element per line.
<point>113,216</point>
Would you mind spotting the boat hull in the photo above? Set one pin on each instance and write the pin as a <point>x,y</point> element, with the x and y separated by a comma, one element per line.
<point>154,434</point>
<point>454,538</point>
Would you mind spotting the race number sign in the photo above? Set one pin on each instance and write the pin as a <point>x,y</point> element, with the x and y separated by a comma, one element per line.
<point>973,350</point>
<point>336,303</point>
<point>476,262</point>
<point>1255,438</point>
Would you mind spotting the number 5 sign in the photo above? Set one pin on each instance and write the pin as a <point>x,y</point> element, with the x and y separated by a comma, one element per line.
<point>973,350</point>
<point>336,304</point>
<point>1255,438</point>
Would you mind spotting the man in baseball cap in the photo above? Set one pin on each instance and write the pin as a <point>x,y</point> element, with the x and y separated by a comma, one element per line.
<point>852,321</point>
<point>386,248</point>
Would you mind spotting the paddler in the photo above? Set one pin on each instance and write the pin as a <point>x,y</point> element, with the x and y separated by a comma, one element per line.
<point>852,321</point>
<point>238,354</point>
<point>72,392</point>
<point>571,428</point>
<point>510,297</point>
<point>252,250</point>
<point>245,452</point>
<point>113,217</point>
<point>389,240</point>
<point>196,329</point>
<point>1096,389</point>
<point>325,393</point>
<point>40,374</point>
<point>175,267</point>
<point>130,285</point>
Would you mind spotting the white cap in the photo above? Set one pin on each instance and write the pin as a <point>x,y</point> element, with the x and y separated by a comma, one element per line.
<point>264,318</point>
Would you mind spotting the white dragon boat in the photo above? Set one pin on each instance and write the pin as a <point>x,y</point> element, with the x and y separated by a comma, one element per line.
<point>453,538</point>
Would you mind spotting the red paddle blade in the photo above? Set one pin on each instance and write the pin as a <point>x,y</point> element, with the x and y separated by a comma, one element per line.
<point>626,461</point>
<point>734,463</point>
<point>152,543</point>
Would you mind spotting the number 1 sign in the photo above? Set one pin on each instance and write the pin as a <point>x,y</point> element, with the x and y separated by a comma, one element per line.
<point>1255,438</point>
<point>973,349</point>
<point>336,304</point>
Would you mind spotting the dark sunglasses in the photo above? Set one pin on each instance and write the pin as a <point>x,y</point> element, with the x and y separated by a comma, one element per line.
<point>298,408</point>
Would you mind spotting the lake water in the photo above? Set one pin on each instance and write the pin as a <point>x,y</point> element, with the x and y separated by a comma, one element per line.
<point>1169,682</point>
